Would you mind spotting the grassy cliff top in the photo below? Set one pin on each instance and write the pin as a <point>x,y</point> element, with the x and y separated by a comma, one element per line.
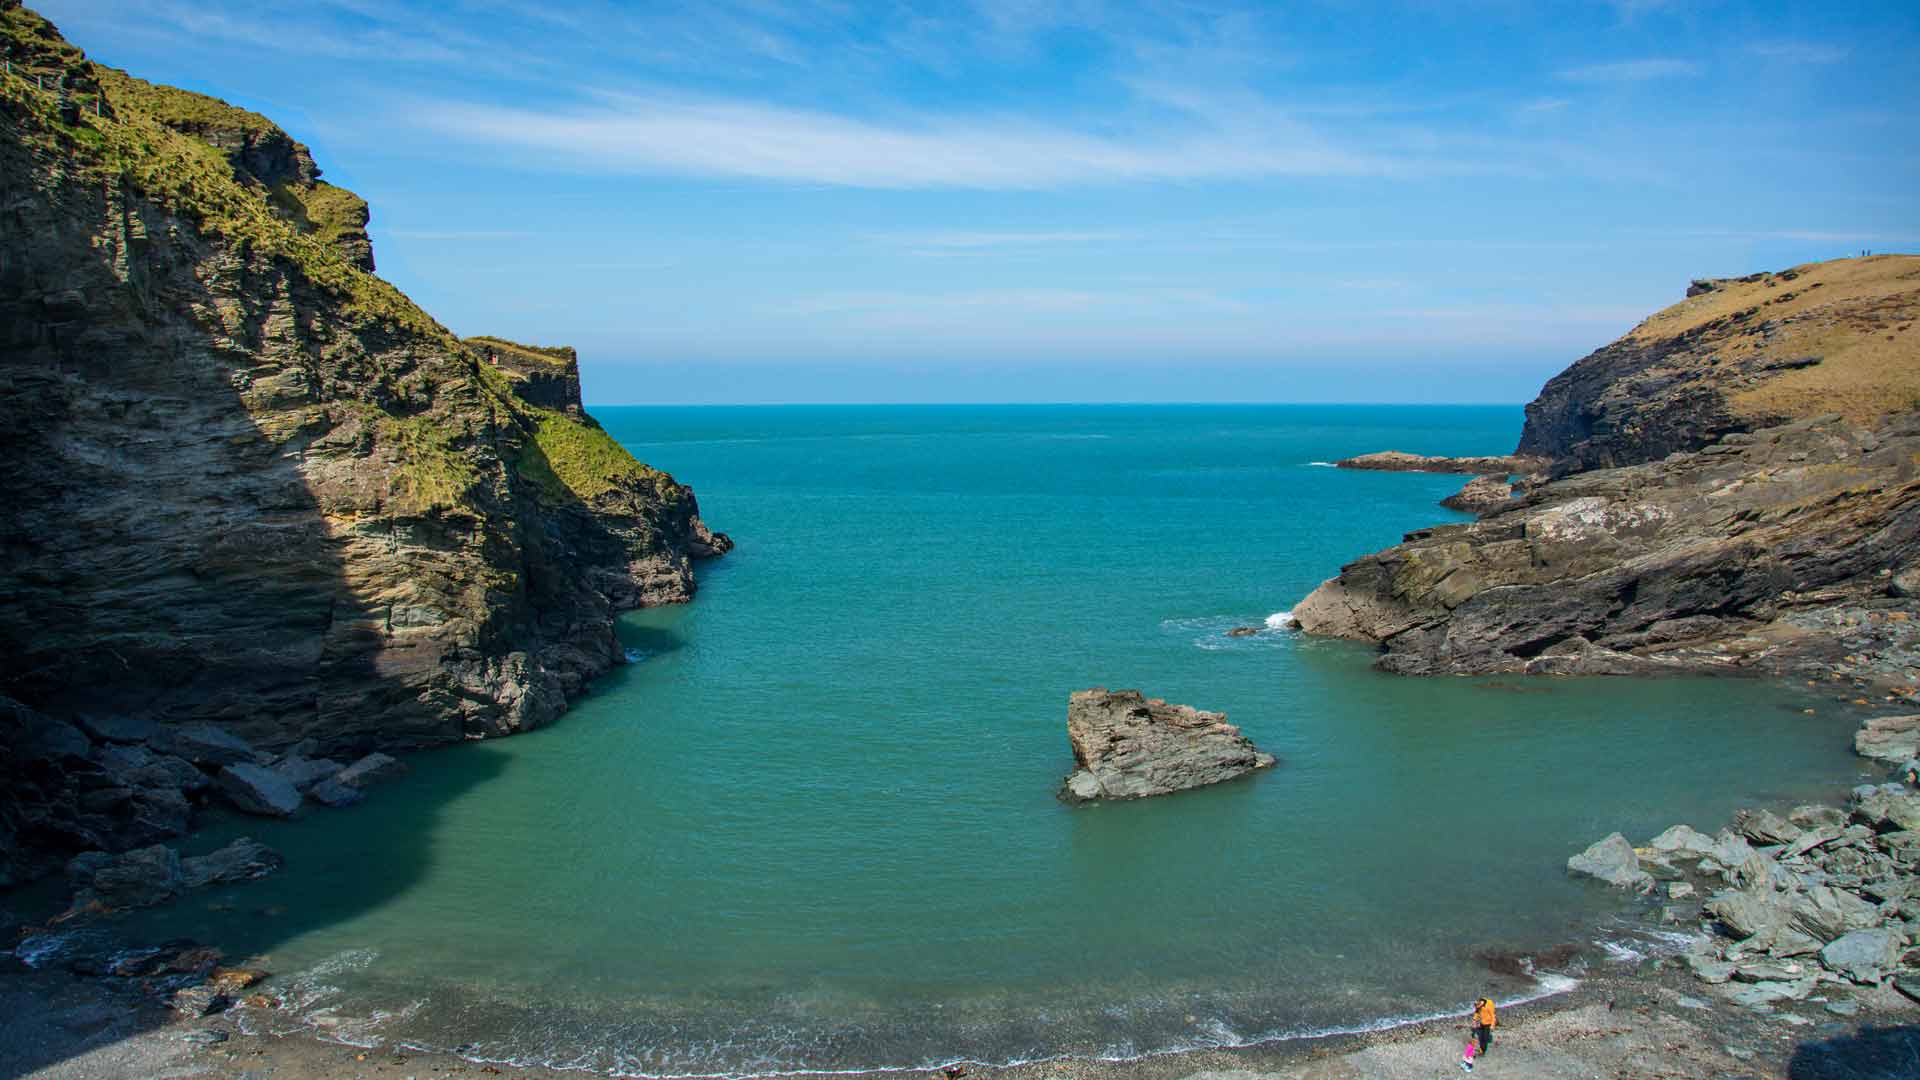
<point>148,142</point>
<point>531,354</point>
<point>1859,317</point>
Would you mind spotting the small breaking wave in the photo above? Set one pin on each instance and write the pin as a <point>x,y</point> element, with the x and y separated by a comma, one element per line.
<point>1323,464</point>
<point>1282,620</point>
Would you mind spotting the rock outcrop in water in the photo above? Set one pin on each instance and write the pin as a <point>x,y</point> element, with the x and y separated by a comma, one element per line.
<point>253,486</point>
<point>1698,520</point>
<point>1401,461</point>
<point>1130,746</point>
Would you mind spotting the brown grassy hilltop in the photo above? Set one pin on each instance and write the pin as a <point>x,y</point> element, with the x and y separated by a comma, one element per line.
<point>1739,354</point>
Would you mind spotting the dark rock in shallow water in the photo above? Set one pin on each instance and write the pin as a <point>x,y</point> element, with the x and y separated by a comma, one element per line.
<point>255,789</point>
<point>370,769</point>
<point>139,878</point>
<point>1130,746</point>
<point>303,772</point>
<point>1243,631</point>
<point>331,792</point>
<point>243,860</point>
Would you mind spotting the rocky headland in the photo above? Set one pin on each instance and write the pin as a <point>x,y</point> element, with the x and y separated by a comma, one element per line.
<point>1130,746</point>
<point>265,517</point>
<point>1731,487</point>
<point>1401,461</point>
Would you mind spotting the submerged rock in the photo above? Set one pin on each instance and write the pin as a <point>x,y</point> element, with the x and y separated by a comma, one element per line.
<point>1130,746</point>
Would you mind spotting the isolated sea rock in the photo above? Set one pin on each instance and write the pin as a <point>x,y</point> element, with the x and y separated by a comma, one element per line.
<point>331,792</point>
<point>1613,861</point>
<point>1130,746</point>
<point>256,789</point>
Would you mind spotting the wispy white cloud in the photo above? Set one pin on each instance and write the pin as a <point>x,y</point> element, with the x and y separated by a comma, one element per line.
<point>1628,71</point>
<point>639,134</point>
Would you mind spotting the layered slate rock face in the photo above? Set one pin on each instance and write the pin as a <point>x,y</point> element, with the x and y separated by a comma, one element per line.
<point>1771,549</point>
<point>1739,355</point>
<point>1715,502</point>
<point>1129,746</point>
<point>250,483</point>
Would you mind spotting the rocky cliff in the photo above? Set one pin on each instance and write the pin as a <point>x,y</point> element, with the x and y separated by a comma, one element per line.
<point>1737,488</point>
<point>1740,355</point>
<point>250,483</point>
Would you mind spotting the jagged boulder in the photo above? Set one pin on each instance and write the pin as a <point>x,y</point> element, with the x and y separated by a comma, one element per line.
<point>1481,494</point>
<point>1682,841</point>
<point>1865,956</point>
<point>1613,861</point>
<point>256,789</point>
<point>1765,827</point>
<point>139,878</point>
<point>206,745</point>
<point>1130,746</point>
<point>304,772</point>
<point>1892,739</point>
<point>331,792</point>
<point>243,860</point>
<point>370,770</point>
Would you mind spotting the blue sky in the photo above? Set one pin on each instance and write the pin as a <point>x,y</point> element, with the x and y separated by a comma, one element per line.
<point>782,200</point>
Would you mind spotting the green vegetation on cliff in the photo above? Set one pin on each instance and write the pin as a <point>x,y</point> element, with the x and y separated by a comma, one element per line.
<point>189,153</point>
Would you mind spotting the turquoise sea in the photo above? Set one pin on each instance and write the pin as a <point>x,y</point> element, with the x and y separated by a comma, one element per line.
<point>813,825</point>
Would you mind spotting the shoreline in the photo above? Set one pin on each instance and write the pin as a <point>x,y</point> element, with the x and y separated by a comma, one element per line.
<point>1626,1023</point>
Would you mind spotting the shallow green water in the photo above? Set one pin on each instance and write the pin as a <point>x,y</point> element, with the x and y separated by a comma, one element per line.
<point>814,825</point>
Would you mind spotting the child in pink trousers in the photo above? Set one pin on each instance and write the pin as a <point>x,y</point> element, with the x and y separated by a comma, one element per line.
<point>1467,1054</point>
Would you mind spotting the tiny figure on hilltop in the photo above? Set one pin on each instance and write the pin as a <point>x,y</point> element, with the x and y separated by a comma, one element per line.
<point>1483,1022</point>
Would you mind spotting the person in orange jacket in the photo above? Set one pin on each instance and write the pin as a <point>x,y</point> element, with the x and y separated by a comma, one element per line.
<point>1484,1022</point>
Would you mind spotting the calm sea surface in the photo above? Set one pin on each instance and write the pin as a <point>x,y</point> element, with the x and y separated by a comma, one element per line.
<point>814,825</point>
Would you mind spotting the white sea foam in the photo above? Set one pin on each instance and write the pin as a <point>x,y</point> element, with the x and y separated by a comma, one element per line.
<point>1282,620</point>
<point>1323,464</point>
<point>1621,953</point>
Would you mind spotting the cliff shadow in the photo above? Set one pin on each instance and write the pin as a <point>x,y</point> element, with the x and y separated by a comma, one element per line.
<point>1872,1053</point>
<point>167,560</point>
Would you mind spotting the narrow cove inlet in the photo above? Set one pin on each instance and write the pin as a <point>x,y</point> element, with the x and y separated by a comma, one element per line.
<point>813,824</point>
